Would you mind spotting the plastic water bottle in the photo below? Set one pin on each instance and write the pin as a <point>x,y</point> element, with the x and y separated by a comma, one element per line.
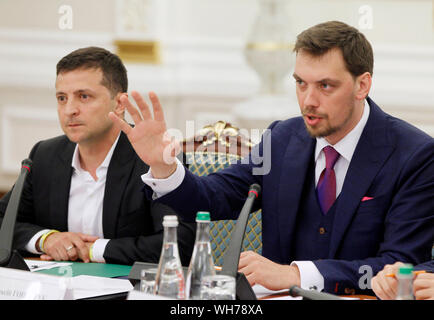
<point>405,283</point>
<point>169,281</point>
<point>201,263</point>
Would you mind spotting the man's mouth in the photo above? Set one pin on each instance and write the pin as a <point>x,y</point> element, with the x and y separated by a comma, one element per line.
<point>74,125</point>
<point>312,119</point>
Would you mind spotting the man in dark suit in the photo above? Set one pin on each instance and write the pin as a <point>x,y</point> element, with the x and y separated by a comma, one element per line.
<point>346,188</point>
<point>82,198</point>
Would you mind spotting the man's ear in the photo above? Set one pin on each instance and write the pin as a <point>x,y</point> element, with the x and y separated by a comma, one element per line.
<point>363,85</point>
<point>119,108</point>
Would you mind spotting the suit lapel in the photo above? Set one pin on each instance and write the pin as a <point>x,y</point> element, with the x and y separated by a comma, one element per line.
<point>60,185</point>
<point>118,175</point>
<point>371,152</point>
<point>296,160</point>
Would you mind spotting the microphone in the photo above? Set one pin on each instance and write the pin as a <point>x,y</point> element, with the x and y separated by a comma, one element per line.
<point>232,255</point>
<point>295,291</point>
<point>9,258</point>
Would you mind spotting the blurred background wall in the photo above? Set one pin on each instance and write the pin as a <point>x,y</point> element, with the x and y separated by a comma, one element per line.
<point>198,59</point>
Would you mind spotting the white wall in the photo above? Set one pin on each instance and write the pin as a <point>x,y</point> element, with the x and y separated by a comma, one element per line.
<point>203,75</point>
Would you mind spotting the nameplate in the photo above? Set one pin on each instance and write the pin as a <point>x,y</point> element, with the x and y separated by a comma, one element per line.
<point>24,285</point>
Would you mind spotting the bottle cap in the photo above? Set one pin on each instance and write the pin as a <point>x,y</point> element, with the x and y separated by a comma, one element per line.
<point>170,221</point>
<point>406,269</point>
<point>202,216</point>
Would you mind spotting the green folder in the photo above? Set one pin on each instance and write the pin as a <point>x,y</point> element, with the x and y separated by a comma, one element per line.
<point>91,269</point>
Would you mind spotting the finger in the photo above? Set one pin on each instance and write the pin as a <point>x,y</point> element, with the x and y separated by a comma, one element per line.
<point>120,123</point>
<point>80,245</point>
<point>61,254</point>
<point>82,250</point>
<point>87,237</point>
<point>143,106</point>
<point>423,294</point>
<point>72,254</point>
<point>251,279</point>
<point>379,291</point>
<point>132,110</point>
<point>388,287</point>
<point>380,285</point>
<point>46,257</point>
<point>245,258</point>
<point>158,110</point>
<point>421,282</point>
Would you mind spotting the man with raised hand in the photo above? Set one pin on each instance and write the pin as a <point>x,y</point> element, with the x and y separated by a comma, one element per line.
<point>350,187</point>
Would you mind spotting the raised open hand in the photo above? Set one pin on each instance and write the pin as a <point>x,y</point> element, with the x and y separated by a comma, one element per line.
<point>149,136</point>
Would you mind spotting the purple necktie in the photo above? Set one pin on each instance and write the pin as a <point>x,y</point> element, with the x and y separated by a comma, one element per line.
<point>326,188</point>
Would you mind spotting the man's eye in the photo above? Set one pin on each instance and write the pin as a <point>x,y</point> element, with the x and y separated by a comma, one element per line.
<point>325,86</point>
<point>84,96</point>
<point>61,98</point>
<point>299,82</point>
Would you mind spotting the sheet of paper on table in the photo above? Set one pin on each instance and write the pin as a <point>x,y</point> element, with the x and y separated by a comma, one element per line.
<point>79,287</point>
<point>89,286</point>
<point>36,265</point>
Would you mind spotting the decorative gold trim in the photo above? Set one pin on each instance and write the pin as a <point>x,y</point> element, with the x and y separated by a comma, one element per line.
<point>219,131</point>
<point>138,51</point>
<point>213,153</point>
<point>269,46</point>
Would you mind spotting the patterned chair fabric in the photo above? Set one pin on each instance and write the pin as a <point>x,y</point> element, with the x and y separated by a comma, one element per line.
<point>203,161</point>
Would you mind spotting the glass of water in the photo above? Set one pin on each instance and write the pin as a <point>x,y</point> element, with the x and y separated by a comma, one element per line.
<point>147,280</point>
<point>217,287</point>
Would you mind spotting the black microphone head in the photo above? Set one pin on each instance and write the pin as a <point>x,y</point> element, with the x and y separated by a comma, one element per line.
<point>255,187</point>
<point>293,291</point>
<point>27,164</point>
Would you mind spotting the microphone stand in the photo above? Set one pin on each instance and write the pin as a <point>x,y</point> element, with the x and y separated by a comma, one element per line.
<point>11,258</point>
<point>295,291</point>
<point>232,256</point>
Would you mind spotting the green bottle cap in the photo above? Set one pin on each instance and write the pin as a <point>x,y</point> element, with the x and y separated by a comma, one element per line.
<point>406,269</point>
<point>202,216</point>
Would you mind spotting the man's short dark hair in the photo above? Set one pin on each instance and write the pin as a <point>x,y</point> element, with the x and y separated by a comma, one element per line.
<point>114,72</point>
<point>355,48</point>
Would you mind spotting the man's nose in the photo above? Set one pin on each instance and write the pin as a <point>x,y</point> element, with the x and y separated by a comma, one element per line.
<point>311,98</point>
<point>71,107</point>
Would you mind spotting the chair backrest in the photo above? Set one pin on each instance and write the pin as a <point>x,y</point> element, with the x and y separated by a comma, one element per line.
<point>215,147</point>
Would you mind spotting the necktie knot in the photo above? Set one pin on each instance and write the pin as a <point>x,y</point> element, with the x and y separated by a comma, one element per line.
<point>331,156</point>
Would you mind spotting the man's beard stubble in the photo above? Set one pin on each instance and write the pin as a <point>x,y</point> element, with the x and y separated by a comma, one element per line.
<point>328,129</point>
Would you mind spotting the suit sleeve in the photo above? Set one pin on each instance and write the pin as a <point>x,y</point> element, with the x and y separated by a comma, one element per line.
<point>222,193</point>
<point>427,266</point>
<point>408,227</point>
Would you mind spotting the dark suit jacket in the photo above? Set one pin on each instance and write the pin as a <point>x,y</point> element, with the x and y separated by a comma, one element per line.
<point>135,229</point>
<point>393,163</point>
<point>427,266</point>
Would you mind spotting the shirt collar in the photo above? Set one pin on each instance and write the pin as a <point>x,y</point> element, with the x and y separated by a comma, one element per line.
<point>347,145</point>
<point>76,159</point>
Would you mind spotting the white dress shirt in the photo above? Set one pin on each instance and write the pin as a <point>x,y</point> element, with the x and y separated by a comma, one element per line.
<point>85,206</point>
<point>310,277</point>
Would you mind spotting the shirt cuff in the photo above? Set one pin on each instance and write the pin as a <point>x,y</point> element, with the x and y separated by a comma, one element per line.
<point>31,245</point>
<point>98,250</point>
<point>162,187</point>
<point>310,277</point>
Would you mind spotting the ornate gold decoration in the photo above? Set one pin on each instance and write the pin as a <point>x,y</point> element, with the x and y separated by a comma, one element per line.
<point>219,131</point>
<point>138,51</point>
<point>269,46</point>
